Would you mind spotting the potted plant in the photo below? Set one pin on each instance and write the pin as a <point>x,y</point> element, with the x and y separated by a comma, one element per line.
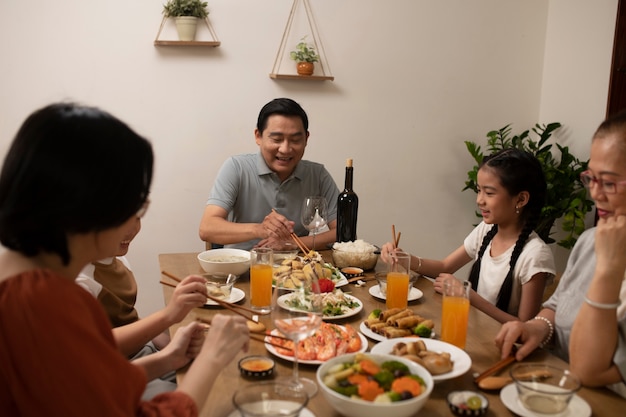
<point>186,14</point>
<point>566,196</point>
<point>305,57</point>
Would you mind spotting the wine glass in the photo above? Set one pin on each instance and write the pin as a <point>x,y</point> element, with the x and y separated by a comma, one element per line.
<point>314,215</point>
<point>297,314</point>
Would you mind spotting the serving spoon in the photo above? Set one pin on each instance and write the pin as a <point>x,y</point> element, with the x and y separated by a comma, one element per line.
<point>496,382</point>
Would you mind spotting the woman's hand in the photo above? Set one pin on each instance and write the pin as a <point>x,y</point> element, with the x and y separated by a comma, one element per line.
<point>530,333</point>
<point>188,294</point>
<point>226,337</point>
<point>610,245</point>
<point>185,345</point>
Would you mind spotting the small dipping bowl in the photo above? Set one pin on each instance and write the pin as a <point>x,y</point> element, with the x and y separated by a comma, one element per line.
<point>352,272</point>
<point>220,285</point>
<point>270,399</point>
<point>256,366</point>
<point>543,388</point>
<point>467,403</point>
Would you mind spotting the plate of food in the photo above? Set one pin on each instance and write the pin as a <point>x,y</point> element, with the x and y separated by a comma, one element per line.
<point>414,293</point>
<point>396,322</point>
<point>328,341</point>
<point>441,359</point>
<point>291,272</point>
<point>337,304</point>
<point>236,295</point>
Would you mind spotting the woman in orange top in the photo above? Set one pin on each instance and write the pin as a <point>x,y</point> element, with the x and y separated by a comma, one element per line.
<point>57,352</point>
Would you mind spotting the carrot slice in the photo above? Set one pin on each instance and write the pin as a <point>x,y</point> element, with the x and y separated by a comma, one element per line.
<point>406,383</point>
<point>369,367</point>
<point>357,379</point>
<point>369,390</point>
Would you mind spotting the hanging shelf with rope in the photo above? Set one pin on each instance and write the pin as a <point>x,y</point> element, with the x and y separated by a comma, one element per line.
<point>317,42</point>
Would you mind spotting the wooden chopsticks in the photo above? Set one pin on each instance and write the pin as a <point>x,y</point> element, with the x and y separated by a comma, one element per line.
<point>232,307</point>
<point>298,241</point>
<point>395,239</point>
<point>254,333</point>
<point>497,367</point>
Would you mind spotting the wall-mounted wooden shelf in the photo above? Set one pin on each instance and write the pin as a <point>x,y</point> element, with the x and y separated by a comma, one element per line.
<point>187,43</point>
<point>302,77</point>
<point>214,43</point>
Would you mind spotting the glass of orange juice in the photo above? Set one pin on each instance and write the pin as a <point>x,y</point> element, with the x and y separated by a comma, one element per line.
<point>398,280</point>
<point>455,311</point>
<point>261,279</point>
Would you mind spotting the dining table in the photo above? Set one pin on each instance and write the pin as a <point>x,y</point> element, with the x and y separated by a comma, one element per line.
<point>480,347</point>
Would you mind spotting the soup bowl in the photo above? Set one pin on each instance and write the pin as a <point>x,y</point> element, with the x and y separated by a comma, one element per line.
<point>225,261</point>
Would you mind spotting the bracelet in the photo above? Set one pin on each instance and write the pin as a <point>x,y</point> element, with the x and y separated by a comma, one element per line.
<point>419,264</point>
<point>550,330</point>
<point>602,306</point>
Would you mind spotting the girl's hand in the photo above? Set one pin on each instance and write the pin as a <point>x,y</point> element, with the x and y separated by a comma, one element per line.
<point>438,282</point>
<point>188,294</point>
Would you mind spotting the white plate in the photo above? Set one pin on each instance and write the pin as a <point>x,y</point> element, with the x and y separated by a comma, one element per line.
<point>273,350</point>
<point>460,359</point>
<point>304,413</point>
<point>577,406</point>
<point>282,302</point>
<point>414,294</point>
<point>235,295</point>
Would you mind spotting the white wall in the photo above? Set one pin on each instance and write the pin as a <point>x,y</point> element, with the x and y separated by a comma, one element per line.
<point>413,80</point>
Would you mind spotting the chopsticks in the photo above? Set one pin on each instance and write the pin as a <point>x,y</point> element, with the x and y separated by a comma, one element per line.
<point>497,367</point>
<point>232,307</point>
<point>253,337</point>
<point>298,241</point>
<point>395,239</point>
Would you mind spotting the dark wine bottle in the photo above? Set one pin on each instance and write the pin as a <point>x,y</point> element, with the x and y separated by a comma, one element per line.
<point>347,209</point>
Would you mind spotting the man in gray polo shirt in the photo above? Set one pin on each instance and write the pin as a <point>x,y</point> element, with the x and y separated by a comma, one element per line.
<point>256,198</point>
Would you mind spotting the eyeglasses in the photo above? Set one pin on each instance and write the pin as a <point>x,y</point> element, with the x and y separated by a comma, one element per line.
<point>608,187</point>
<point>143,209</point>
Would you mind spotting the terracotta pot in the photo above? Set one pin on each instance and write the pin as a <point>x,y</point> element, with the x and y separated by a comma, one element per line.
<point>186,27</point>
<point>305,68</point>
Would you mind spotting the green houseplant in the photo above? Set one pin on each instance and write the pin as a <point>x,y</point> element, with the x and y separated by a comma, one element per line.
<point>305,57</point>
<point>186,14</point>
<point>566,196</point>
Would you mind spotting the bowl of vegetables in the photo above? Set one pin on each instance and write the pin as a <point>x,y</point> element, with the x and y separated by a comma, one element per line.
<point>369,385</point>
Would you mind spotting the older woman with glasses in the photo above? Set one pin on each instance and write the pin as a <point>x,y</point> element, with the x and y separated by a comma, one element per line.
<point>585,319</point>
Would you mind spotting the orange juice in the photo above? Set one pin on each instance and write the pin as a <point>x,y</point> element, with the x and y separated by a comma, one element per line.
<point>397,290</point>
<point>454,317</point>
<point>261,286</point>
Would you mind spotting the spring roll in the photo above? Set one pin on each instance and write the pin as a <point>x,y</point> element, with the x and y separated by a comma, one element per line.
<point>391,332</point>
<point>403,313</point>
<point>384,315</point>
<point>407,322</point>
<point>377,327</point>
<point>372,320</point>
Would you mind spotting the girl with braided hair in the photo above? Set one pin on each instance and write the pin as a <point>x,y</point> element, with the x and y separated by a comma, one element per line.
<point>512,265</point>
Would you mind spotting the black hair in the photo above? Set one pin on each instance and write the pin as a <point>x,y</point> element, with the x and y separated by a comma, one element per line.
<point>283,107</point>
<point>616,124</point>
<point>518,171</point>
<point>70,169</point>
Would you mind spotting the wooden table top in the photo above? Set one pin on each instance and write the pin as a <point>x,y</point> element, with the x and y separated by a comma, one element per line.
<point>480,347</point>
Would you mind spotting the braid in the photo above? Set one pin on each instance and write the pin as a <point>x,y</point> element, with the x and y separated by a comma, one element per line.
<point>475,272</point>
<point>504,296</point>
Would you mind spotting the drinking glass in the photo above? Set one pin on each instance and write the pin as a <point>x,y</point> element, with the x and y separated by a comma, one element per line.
<point>314,215</point>
<point>261,272</point>
<point>399,268</point>
<point>455,311</point>
<point>297,314</point>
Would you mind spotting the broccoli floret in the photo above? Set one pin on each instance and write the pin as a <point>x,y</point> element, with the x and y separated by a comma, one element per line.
<point>422,331</point>
<point>384,379</point>
<point>375,314</point>
<point>393,366</point>
<point>348,391</point>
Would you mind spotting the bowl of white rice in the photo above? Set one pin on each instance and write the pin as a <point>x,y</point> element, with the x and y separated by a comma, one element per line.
<point>357,253</point>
